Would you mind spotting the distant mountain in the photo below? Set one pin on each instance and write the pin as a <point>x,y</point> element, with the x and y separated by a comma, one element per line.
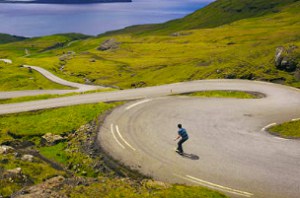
<point>63,1</point>
<point>6,38</point>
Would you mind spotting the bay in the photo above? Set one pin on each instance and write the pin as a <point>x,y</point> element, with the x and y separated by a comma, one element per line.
<point>45,19</point>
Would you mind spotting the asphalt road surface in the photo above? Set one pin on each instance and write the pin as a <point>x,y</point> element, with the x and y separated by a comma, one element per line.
<point>229,149</point>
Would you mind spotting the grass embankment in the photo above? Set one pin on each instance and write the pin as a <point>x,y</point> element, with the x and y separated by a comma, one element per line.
<point>287,130</point>
<point>224,94</point>
<point>76,154</point>
<point>56,121</point>
<point>243,49</point>
<point>14,78</point>
<point>29,127</point>
<point>48,96</point>
<point>119,188</point>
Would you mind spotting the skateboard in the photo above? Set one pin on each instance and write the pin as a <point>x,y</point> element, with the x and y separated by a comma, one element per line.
<point>179,152</point>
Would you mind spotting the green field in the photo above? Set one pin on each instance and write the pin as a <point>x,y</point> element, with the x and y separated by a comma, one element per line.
<point>56,121</point>
<point>287,130</point>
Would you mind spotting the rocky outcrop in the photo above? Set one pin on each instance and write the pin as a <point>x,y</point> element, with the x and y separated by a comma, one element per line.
<point>138,84</point>
<point>51,139</point>
<point>6,149</point>
<point>47,189</point>
<point>155,184</point>
<point>109,44</point>
<point>14,175</point>
<point>286,58</point>
<point>181,33</point>
<point>16,171</point>
<point>67,56</point>
<point>28,158</point>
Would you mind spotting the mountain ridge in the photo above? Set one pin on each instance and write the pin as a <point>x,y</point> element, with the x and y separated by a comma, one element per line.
<point>215,14</point>
<point>7,38</point>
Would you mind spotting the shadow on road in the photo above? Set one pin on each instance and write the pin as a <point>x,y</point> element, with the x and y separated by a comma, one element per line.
<point>190,156</point>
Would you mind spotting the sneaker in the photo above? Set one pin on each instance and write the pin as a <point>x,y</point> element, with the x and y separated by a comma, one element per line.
<point>180,153</point>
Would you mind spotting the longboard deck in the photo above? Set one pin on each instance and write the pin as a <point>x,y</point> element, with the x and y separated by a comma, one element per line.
<point>179,152</point>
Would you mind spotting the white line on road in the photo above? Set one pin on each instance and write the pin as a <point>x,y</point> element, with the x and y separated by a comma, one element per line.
<point>296,119</point>
<point>268,126</point>
<point>215,186</point>
<point>282,139</point>
<point>113,133</point>
<point>138,103</point>
<point>118,131</point>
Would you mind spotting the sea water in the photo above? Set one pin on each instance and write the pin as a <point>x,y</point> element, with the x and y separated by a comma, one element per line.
<point>92,19</point>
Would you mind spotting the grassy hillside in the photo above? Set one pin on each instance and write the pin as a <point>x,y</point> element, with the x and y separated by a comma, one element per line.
<point>243,49</point>
<point>216,14</point>
<point>40,44</point>
<point>13,78</point>
<point>6,38</point>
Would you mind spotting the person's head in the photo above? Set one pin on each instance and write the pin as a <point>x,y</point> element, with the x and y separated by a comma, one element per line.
<point>179,126</point>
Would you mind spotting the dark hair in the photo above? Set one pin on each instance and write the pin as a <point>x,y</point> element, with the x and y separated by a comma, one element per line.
<point>179,126</point>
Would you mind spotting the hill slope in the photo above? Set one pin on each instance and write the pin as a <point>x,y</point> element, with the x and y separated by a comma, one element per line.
<point>215,14</point>
<point>6,38</point>
<point>243,49</point>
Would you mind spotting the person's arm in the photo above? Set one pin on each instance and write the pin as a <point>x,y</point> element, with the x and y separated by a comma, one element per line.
<point>177,138</point>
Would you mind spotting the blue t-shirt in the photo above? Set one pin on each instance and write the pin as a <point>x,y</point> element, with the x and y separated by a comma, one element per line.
<point>182,132</point>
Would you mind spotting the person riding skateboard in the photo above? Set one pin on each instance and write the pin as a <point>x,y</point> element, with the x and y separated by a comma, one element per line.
<point>184,137</point>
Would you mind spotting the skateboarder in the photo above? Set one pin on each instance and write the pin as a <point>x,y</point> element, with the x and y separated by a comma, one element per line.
<point>184,137</point>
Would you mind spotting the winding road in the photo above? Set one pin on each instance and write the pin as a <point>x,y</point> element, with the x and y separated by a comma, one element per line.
<point>229,149</point>
<point>78,87</point>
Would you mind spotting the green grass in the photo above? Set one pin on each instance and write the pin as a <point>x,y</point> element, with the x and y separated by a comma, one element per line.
<point>6,38</point>
<point>33,98</point>
<point>55,153</point>
<point>71,157</point>
<point>287,130</point>
<point>124,188</point>
<point>14,78</point>
<point>48,96</point>
<point>223,94</point>
<point>216,14</point>
<point>55,121</point>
